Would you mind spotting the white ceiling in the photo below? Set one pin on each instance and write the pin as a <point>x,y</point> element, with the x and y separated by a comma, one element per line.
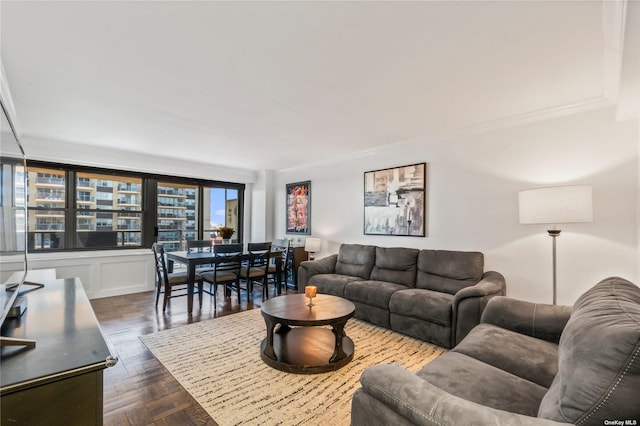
<point>271,85</point>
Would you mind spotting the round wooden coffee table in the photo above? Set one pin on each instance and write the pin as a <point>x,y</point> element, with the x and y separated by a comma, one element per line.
<point>299,344</point>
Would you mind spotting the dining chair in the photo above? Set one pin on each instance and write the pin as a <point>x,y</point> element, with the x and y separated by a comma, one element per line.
<point>257,267</point>
<point>200,246</point>
<point>226,270</point>
<point>286,264</point>
<point>165,281</point>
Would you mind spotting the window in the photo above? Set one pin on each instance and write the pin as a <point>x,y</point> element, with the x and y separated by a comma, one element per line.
<point>47,204</point>
<point>104,224</point>
<point>221,208</point>
<point>113,202</point>
<point>177,214</point>
<point>84,208</point>
<point>12,212</point>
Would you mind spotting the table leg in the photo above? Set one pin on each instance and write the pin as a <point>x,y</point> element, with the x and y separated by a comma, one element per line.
<point>268,349</point>
<point>191,276</point>
<point>338,352</point>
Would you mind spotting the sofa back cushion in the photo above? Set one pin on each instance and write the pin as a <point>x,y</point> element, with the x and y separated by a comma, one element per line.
<point>449,271</point>
<point>355,260</point>
<point>598,358</point>
<point>396,265</point>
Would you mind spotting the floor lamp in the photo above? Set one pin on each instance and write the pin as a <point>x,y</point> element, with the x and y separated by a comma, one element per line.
<point>560,204</point>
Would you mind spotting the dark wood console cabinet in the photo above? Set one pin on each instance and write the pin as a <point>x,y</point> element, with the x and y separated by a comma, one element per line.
<point>59,382</point>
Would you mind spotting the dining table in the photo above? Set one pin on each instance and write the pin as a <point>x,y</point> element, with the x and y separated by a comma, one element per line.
<point>193,259</point>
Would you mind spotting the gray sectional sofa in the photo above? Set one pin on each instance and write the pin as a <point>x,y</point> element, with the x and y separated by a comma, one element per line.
<point>525,364</point>
<point>433,295</point>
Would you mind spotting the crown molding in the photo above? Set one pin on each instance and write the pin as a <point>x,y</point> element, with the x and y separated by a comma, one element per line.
<point>613,27</point>
<point>535,116</point>
<point>494,125</point>
<point>628,102</point>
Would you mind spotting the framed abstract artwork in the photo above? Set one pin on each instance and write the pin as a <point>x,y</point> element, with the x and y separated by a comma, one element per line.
<point>395,201</point>
<point>299,208</point>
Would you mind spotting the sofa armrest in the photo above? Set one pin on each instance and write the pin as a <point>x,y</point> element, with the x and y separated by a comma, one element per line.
<point>309,268</point>
<point>537,320</point>
<point>491,284</point>
<point>470,302</point>
<point>421,403</point>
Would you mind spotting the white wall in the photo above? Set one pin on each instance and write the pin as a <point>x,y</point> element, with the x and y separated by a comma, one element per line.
<point>261,209</point>
<point>473,182</point>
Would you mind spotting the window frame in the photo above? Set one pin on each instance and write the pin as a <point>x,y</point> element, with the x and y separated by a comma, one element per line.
<point>149,219</point>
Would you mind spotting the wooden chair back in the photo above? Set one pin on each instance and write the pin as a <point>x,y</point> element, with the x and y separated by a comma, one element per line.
<point>283,245</point>
<point>198,246</point>
<point>166,281</point>
<point>259,255</point>
<point>228,258</point>
<point>161,265</point>
<point>286,260</point>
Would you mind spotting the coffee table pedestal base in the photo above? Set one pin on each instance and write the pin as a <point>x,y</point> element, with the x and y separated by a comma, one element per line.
<point>307,350</point>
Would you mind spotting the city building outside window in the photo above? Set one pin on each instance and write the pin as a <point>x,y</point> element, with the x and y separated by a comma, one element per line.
<point>113,201</point>
<point>221,208</point>
<point>177,214</point>
<point>12,212</point>
<point>47,208</point>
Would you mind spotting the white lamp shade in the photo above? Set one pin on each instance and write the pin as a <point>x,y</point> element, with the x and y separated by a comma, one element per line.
<point>312,245</point>
<point>560,204</point>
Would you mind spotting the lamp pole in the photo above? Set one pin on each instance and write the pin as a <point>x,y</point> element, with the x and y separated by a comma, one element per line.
<point>554,233</point>
<point>555,205</point>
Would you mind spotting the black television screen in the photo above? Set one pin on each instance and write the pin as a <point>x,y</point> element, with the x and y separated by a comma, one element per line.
<point>13,214</point>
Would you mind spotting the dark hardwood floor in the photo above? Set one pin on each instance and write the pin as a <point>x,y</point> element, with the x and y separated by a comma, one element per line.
<point>139,390</point>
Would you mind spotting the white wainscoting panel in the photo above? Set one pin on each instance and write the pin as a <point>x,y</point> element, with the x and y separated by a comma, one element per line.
<point>103,273</point>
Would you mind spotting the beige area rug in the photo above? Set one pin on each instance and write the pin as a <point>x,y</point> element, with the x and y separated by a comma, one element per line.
<point>218,362</point>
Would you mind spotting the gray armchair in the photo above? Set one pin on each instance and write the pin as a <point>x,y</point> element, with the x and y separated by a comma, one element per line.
<point>524,364</point>
<point>391,395</point>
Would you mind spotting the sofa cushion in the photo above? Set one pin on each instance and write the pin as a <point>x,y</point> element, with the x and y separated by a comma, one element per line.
<point>533,359</point>
<point>427,331</point>
<point>374,293</point>
<point>475,381</point>
<point>332,283</point>
<point>427,305</point>
<point>372,314</point>
<point>355,260</point>
<point>598,358</point>
<point>396,265</point>
<point>448,271</point>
